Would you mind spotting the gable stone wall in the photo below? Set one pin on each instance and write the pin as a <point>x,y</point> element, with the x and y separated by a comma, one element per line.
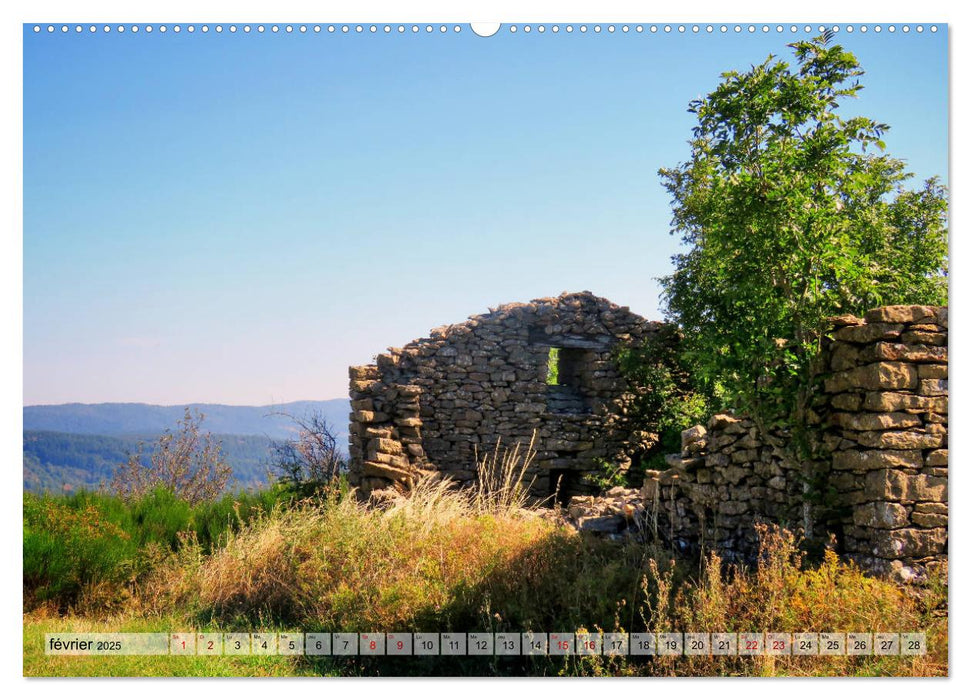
<point>441,403</point>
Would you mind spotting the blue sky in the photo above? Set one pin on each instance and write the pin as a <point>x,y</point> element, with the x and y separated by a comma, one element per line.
<point>238,218</point>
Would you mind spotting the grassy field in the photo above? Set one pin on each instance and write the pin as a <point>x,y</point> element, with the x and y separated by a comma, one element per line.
<point>438,561</point>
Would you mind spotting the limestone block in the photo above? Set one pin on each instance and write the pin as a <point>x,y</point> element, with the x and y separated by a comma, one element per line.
<point>868,333</point>
<point>866,460</point>
<point>875,421</point>
<point>910,543</point>
<point>902,314</point>
<point>879,375</point>
<point>881,515</point>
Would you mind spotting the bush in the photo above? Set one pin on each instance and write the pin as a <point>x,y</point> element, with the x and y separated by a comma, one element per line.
<point>91,541</point>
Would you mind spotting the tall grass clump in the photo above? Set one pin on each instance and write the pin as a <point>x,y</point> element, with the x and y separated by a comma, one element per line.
<point>501,485</point>
<point>345,565</point>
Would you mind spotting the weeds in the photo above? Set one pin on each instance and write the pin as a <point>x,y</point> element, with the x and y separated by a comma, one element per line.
<point>501,475</point>
<point>457,560</point>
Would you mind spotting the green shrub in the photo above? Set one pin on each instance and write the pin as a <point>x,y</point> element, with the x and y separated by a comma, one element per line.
<point>77,544</point>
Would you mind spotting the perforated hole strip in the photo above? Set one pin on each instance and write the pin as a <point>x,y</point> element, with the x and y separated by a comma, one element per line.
<point>438,29</point>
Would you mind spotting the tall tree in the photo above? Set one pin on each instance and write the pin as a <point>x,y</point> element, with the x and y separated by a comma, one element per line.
<point>792,213</point>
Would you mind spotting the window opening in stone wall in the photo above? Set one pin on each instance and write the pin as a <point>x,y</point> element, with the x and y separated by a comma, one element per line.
<point>565,367</point>
<point>571,366</point>
<point>567,373</point>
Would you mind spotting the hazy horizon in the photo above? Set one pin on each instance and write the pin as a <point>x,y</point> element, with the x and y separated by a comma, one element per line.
<point>237,218</point>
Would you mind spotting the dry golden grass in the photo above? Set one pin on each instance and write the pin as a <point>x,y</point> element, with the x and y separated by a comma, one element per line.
<point>501,486</point>
<point>348,566</point>
<point>464,560</point>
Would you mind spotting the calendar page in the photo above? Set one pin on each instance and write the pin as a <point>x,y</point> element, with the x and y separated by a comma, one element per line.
<point>610,348</point>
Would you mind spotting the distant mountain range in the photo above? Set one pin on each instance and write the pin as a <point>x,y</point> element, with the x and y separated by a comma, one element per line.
<point>72,446</point>
<point>121,419</point>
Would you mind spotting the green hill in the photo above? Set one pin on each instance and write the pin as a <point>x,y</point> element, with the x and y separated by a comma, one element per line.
<point>55,461</point>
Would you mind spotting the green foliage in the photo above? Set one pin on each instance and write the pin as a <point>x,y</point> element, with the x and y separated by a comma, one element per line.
<point>77,543</point>
<point>667,399</point>
<point>553,367</point>
<point>791,214</point>
<point>436,565</point>
<point>609,474</point>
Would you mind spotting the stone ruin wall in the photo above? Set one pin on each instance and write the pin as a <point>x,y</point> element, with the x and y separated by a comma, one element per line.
<point>882,411</point>
<point>439,402</point>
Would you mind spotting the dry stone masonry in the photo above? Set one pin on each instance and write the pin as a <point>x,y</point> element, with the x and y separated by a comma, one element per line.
<point>880,484</point>
<point>543,371</point>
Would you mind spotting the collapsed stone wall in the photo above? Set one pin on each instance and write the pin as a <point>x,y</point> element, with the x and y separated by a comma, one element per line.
<point>880,485</point>
<point>441,403</point>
